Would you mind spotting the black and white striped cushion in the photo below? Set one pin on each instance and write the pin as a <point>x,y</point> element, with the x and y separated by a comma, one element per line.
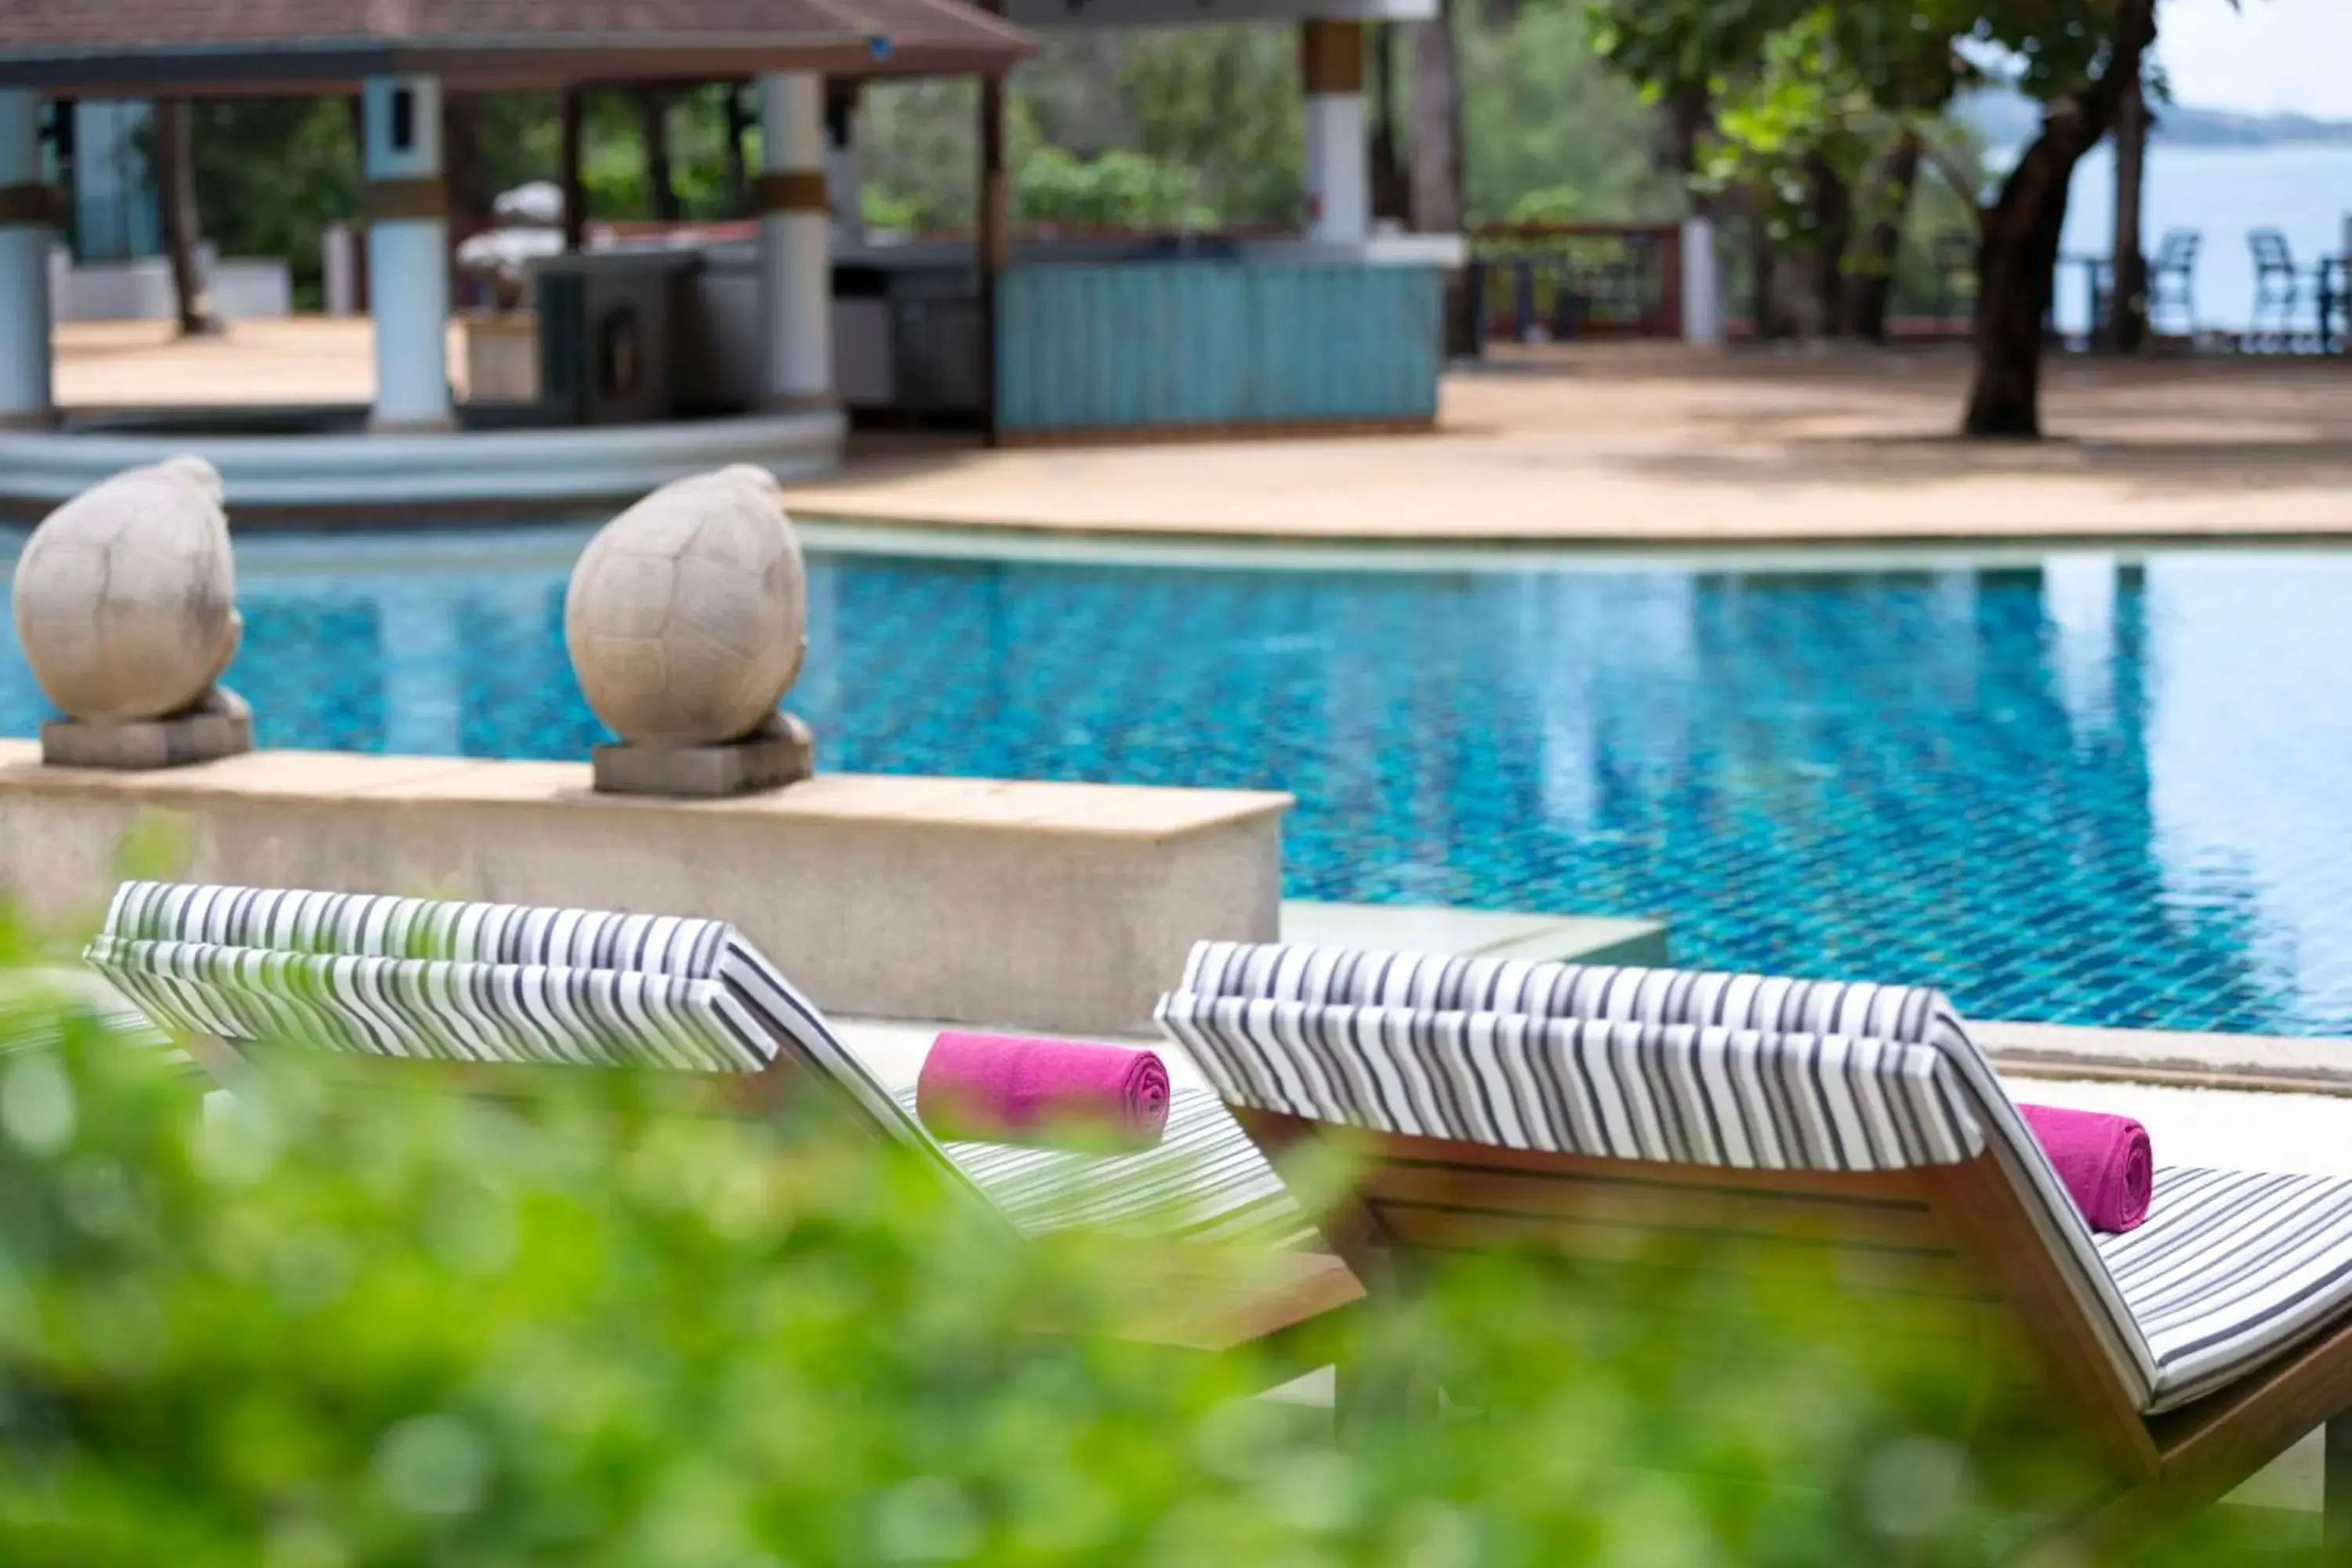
<point>1205,1181</point>
<point>1670,1093</point>
<point>2231,1268</point>
<point>418,979</point>
<point>1442,984</point>
<point>1275,1026</point>
<point>359,925</point>
<point>1772,1005</point>
<point>436,1010</point>
<point>538,984</point>
<point>488,982</point>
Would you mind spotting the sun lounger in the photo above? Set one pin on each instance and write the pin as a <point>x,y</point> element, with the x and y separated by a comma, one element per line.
<point>1503,1102</point>
<point>491,998</point>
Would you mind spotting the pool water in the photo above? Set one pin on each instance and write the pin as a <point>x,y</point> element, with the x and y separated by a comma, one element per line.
<point>2083,790</point>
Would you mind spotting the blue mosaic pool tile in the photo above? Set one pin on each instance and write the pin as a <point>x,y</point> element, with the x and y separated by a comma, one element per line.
<point>2086,792</point>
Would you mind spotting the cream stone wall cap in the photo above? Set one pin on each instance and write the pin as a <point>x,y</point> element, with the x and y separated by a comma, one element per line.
<point>687,618</point>
<point>125,597</point>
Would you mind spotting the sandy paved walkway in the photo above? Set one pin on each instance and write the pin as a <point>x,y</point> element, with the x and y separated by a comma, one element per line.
<point>138,365</point>
<point>1618,445</point>
<point>1624,446</point>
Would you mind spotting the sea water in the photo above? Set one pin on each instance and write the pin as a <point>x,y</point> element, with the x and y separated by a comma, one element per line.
<point>2304,192</point>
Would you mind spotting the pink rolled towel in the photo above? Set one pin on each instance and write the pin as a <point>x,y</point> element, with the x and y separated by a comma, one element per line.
<point>2105,1161</point>
<point>1001,1088</point>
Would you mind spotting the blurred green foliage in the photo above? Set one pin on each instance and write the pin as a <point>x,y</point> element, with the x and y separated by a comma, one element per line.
<point>1145,130</point>
<point>271,174</point>
<point>1170,128</point>
<point>1541,109</point>
<point>307,1329</point>
<point>1149,128</point>
<point>1115,187</point>
<point>613,164</point>
<point>1223,103</point>
<point>1553,204</point>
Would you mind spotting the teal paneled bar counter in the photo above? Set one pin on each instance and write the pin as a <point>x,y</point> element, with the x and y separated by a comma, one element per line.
<point>1148,348</point>
<point>1119,338</point>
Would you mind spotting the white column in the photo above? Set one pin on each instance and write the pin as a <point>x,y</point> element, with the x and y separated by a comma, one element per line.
<point>339,266</point>
<point>795,259</point>
<point>1338,163</point>
<point>1702,284</point>
<point>28,224</point>
<point>1338,180</point>
<point>408,252</point>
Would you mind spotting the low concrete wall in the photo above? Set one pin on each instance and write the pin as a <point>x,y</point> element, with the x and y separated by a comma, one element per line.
<point>1047,905</point>
<point>501,357</point>
<point>243,289</point>
<point>386,475</point>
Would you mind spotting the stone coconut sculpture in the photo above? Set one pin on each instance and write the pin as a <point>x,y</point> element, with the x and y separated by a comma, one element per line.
<point>125,602</point>
<point>686,620</point>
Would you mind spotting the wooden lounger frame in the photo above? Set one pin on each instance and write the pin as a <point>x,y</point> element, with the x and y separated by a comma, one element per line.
<point>1413,1192</point>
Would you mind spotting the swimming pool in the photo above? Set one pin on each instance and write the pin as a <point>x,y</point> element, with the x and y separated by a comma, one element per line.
<point>2082,789</point>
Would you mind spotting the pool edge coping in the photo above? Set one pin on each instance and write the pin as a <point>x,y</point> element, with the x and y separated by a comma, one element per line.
<point>2270,1064</point>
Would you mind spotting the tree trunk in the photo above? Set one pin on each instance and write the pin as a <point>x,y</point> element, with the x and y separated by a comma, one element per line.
<point>574,112</point>
<point>653,117</point>
<point>2017,256</point>
<point>1830,200</point>
<point>2126,322</point>
<point>1870,292</point>
<point>175,190</point>
<point>739,173</point>
<point>1391,192</point>
<point>1437,206</point>
<point>1763,273</point>
<point>472,202</point>
<point>361,299</point>
<point>1682,121</point>
<point>994,248</point>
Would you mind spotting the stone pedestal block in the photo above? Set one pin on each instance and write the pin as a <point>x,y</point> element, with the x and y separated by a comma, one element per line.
<point>218,724</point>
<point>780,752</point>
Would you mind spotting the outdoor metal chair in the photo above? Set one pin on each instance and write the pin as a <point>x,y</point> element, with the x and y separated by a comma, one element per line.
<point>491,999</point>
<point>1501,1104</point>
<point>2331,282</point>
<point>2172,281</point>
<point>2278,288</point>
<point>2099,289</point>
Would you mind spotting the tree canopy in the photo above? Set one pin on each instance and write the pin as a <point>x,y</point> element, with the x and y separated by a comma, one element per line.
<point>1809,95</point>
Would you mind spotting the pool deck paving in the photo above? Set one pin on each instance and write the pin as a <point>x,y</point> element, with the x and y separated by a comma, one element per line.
<point>1616,447</point>
<point>1628,445</point>
<point>304,362</point>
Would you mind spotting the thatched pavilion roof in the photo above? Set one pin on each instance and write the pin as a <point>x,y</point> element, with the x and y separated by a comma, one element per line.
<point>207,48</point>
